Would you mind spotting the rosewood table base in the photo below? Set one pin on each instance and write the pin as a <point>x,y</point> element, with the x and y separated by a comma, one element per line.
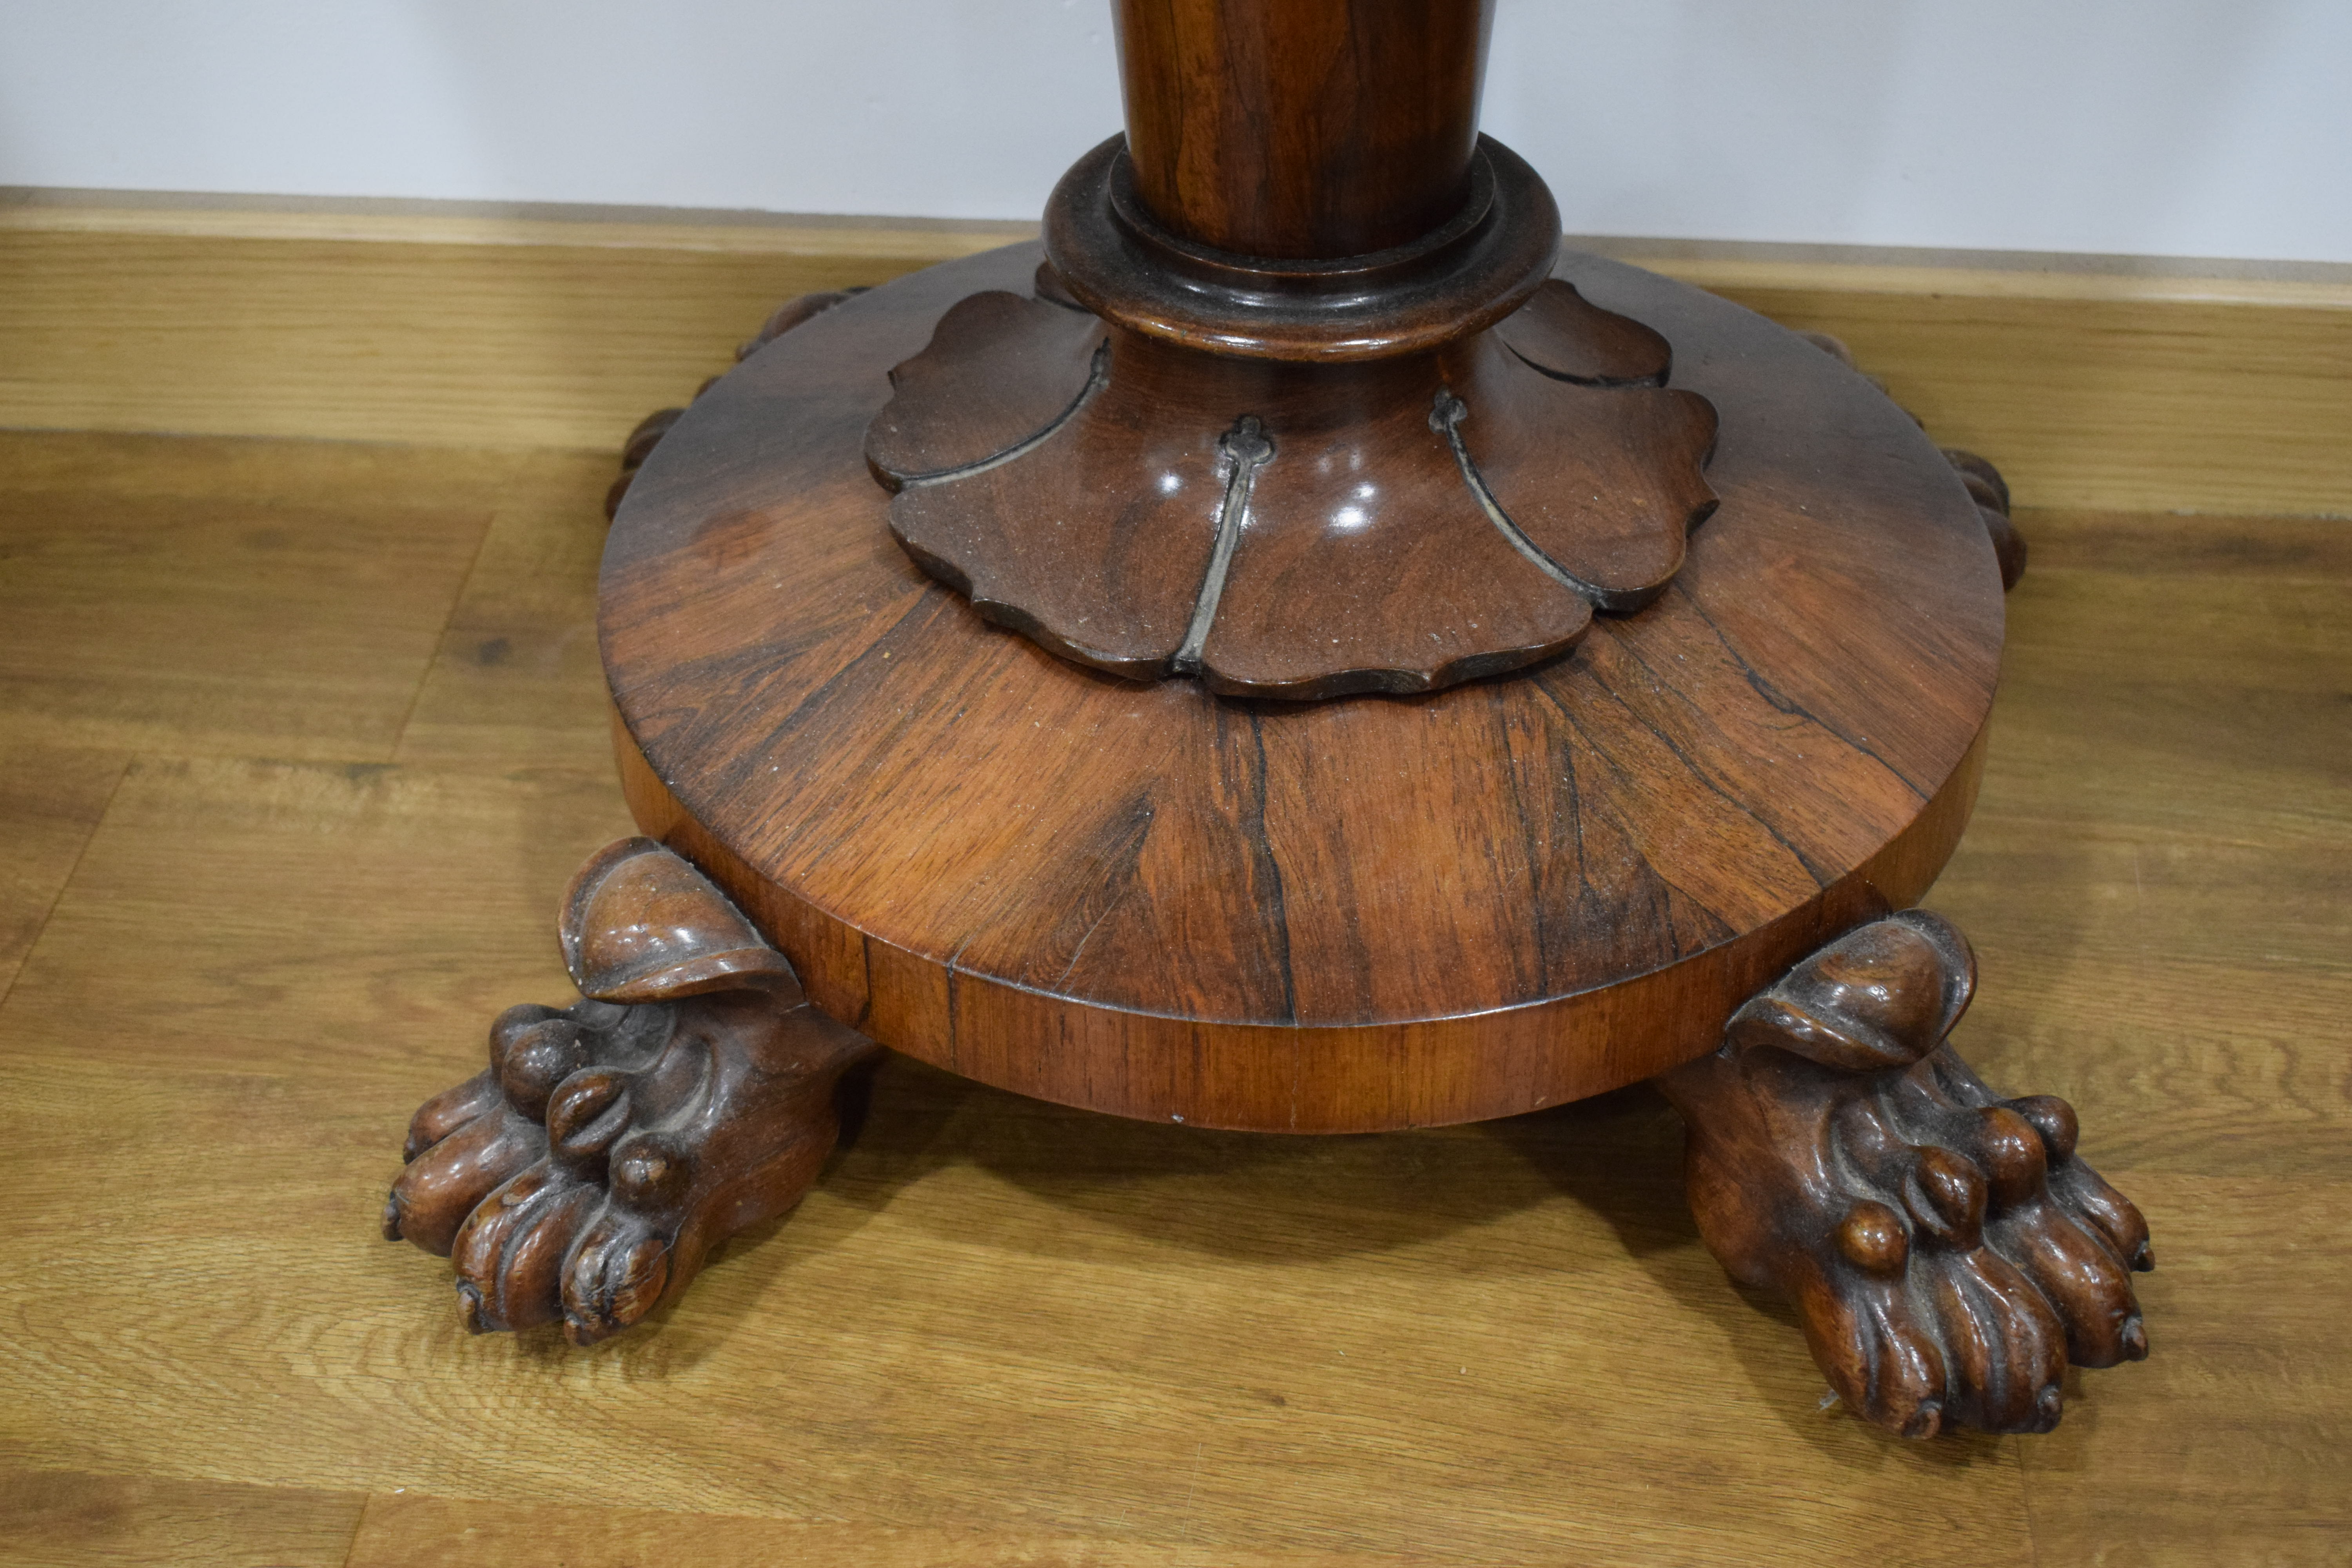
<point>1296,651</point>
<point>1679,847</point>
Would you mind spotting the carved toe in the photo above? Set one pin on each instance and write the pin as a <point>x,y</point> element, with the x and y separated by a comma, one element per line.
<point>444,1183</point>
<point>586,1116</point>
<point>1878,1359</point>
<point>2004,1345</point>
<point>618,1275</point>
<point>510,1253</point>
<point>2085,1283</point>
<point>448,1111</point>
<point>532,1049</point>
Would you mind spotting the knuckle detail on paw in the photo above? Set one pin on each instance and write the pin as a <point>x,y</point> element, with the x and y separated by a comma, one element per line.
<point>1871,1238</point>
<point>2011,1156</point>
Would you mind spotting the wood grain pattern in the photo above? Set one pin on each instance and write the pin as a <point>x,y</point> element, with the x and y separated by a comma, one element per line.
<point>568,337</point>
<point>1001,1322</point>
<point>515,670</point>
<point>2094,390</point>
<point>423,1531</point>
<point>2095,398</point>
<point>1300,919</point>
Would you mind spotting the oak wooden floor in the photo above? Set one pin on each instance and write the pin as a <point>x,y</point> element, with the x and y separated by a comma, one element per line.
<point>298,743</point>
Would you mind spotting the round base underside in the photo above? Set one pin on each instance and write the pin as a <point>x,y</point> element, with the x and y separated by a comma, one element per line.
<point>1366,913</point>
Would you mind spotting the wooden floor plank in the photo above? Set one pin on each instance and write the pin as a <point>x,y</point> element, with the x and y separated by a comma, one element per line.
<point>2228,1444</point>
<point>517,679</point>
<point>50,801</point>
<point>2180,676</point>
<point>70,1518</point>
<point>2158,884</point>
<point>2158,878</point>
<point>418,1532</point>
<point>1002,1331</point>
<point>995,1316</point>
<point>152,602</point>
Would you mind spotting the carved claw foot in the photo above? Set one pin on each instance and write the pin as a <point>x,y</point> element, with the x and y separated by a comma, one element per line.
<point>588,1172</point>
<point>1946,1250</point>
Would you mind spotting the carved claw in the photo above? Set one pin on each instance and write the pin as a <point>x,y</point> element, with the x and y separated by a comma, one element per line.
<point>1948,1250</point>
<point>586,1175</point>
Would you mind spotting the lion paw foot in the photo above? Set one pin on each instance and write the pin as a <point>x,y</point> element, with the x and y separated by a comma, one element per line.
<point>1946,1249</point>
<point>586,1173</point>
<point>1968,1255</point>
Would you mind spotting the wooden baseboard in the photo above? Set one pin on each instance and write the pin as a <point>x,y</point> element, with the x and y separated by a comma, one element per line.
<point>2102,388</point>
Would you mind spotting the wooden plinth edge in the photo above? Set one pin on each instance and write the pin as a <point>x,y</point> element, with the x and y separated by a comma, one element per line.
<point>1435,1072</point>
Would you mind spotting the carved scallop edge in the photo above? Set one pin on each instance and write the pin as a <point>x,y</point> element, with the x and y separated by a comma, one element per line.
<point>1446,413</point>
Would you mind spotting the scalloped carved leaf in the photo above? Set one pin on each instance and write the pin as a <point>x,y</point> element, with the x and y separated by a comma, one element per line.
<point>1294,530</point>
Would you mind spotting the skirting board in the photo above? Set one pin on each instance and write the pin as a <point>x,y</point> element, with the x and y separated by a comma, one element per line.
<point>2105,385</point>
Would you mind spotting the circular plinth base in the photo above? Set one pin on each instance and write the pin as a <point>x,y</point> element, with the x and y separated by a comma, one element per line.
<point>1365,913</point>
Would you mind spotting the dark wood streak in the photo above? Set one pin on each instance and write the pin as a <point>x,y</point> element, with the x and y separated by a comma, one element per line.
<point>744,766</point>
<point>1526,979</point>
<point>1116,853</point>
<point>1710,754</point>
<point>1276,918</point>
<point>1700,770</point>
<point>1786,704</point>
<point>1630,780</point>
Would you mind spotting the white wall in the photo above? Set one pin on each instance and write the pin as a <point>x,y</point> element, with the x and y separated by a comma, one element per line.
<point>2216,128</point>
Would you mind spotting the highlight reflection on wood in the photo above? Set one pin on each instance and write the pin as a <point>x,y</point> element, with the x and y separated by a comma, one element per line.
<point>1300,533</point>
